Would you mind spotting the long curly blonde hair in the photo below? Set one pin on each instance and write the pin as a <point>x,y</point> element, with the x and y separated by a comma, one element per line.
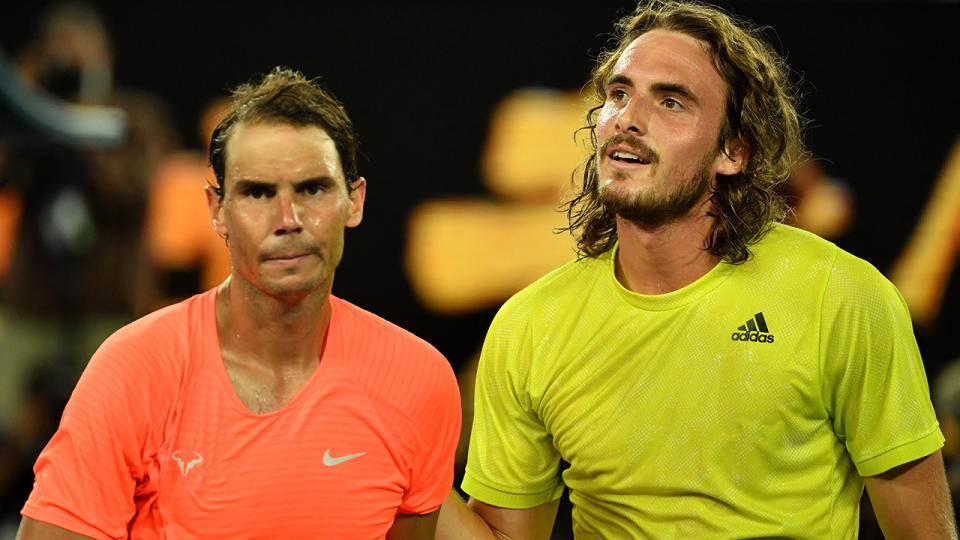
<point>761,110</point>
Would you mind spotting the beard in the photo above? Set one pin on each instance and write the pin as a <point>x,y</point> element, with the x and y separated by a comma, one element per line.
<point>651,209</point>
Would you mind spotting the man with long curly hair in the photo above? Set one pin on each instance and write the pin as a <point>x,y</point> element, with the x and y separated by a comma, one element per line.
<point>704,370</point>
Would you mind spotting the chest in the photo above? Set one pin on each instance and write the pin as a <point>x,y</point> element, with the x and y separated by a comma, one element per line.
<point>682,391</point>
<point>322,463</point>
<point>263,391</point>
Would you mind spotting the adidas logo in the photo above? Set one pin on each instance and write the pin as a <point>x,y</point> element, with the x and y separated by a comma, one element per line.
<point>755,329</point>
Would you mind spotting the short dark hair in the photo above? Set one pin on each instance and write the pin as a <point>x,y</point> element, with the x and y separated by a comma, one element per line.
<point>760,110</point>
<point>286,96</point>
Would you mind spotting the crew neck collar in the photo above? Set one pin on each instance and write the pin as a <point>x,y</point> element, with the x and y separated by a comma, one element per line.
<point>671,300</point>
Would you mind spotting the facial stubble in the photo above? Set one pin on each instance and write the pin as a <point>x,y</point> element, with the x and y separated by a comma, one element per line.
<point>650,209</point>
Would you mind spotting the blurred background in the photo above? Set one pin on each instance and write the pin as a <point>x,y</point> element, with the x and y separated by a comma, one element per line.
<point>466,116</point>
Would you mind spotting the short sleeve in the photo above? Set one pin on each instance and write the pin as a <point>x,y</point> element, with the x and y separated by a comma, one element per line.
<point>87,477</point>
<point>873,380</point>
<point>512,462</point>
<point>438,424</point>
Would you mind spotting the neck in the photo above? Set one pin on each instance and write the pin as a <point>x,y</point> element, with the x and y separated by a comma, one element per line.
<point>658,260</point>
<point>274,332</point>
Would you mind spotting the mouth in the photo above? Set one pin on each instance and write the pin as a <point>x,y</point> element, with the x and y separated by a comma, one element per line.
<point>286,257</point>
<point>624,156</point>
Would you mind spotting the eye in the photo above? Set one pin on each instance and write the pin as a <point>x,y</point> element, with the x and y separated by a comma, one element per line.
<point>672,104</point>
<point>311,188</point>
<point>257,192</point>
<point>618,94</point>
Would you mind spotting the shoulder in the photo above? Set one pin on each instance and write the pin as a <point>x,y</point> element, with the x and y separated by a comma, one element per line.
<point>384,354</point>
<point>557,290</point>
<point>847,288</point>
<point>794,246</point>
<point>378,334</point>
<point>810,262</point>
<point>132,380</point>
<point>808,252</point>
<point>408,381</point>
<point>159,341</point>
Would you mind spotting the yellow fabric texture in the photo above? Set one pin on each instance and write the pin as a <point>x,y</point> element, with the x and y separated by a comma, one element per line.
<point>748,403</point>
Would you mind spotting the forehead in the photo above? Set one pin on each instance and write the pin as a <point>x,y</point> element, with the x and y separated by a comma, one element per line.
<point>673,57</point>
<point>269,151</point>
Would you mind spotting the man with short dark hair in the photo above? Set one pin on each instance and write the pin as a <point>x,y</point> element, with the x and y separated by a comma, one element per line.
<point>706,371</point>
<point>266,407</point>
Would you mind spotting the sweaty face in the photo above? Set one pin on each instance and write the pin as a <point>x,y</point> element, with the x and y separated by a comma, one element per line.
<point>285,207</point>
<point>658,129</point>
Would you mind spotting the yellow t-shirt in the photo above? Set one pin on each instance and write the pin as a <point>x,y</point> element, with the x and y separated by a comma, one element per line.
<point>748,403</point>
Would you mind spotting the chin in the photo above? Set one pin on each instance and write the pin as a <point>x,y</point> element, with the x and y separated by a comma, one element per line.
<point>291,286</point>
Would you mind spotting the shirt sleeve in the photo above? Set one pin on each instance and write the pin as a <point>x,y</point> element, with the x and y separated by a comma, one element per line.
<point>87,477</point>
<point>874,383</point>
<point>511,462</point>
<point>438,426</point>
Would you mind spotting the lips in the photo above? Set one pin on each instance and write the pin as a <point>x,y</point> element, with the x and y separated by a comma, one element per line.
<point>628,157</point>
<point>286,256</point>
<point>628,150</point>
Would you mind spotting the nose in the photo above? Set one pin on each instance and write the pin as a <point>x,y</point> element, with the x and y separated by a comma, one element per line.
<point>632,118</point>
<point>288,214</point>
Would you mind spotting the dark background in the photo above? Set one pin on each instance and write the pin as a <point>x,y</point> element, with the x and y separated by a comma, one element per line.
<point>879,82</point>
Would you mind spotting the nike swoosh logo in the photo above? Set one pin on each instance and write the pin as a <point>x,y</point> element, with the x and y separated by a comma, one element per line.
<point>330,461</point>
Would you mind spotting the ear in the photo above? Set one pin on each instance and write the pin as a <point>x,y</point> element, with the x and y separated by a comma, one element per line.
<point>733,158</point>
<point>215,206</point>
<point>357,197</point>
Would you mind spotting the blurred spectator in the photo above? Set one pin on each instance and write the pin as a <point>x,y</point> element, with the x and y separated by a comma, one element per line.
<point>923,270</point>
<point>821,204</point>
<point>189,256</point>
<point>71,223</point>
<point>946,401</point>
<point>35,421</point>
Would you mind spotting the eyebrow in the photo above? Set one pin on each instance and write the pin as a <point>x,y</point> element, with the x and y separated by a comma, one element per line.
<point>253,183</point>
<point>678,89</point>
<point>247,184</point>
<point>619,79</point>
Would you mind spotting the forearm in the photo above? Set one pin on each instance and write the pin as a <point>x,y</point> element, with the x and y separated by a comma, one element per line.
<point>913,501</point>
<point>31,529</point>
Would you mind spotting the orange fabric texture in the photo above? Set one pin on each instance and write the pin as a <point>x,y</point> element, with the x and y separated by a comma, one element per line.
<point>155,443</point>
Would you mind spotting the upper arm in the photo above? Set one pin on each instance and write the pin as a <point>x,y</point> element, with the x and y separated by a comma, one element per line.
<point>479,520</point>
<point>434,419</point>
<point>414,526</point>
<point>518,523</point>
<point>512,459</point>
<point>98,449</point>
<point>912,500</point>
<point>31,529</point>
<point>873,380</point>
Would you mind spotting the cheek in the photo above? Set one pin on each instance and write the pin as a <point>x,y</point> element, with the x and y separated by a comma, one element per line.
<point>329,217</point>
<point>605,119</point>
